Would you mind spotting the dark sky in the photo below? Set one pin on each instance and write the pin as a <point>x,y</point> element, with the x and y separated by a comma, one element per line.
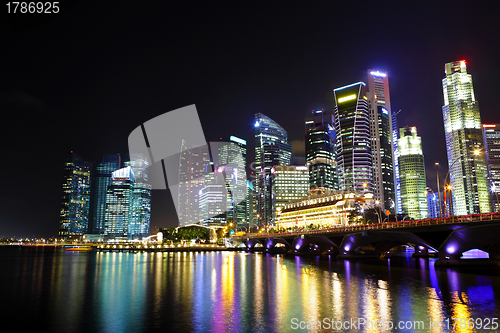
<point>84,79</point>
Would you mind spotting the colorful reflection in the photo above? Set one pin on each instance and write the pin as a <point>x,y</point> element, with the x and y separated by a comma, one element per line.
<point>236,291</point>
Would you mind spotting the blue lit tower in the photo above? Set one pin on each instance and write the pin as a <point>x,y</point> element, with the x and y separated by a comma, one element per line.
<point>352,125</point>
<point>397,185</point>
<point>464,136</point>
<point>271,148</point>
<point>75,201</point>
<point>321,154</point>
<point>141,198</point>
<point>379,103</point>
<point>101,180</point>
<point>491,133</point>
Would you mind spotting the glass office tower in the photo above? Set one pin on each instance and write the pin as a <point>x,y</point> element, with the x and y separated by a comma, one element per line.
<point>271,148</point>
<point>101,181</point>
<point>462,125</point>
<point>191,179</point>
<point>75,203</point>
<point>231,160</point>
<point>119,199</point>
<point>412,174</point>
<point>352,125</point>
<point>321,153</point>
<point>379,103</point>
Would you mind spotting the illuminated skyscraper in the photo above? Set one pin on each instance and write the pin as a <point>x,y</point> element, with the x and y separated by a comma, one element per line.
<point>352,125</point>
<point>213,197</point>
<point>491,135</point>
<point>75,201</point>
<point>395,151</point>
<point>462,125</point>
<point>101,181</point>
<point>321,154</point>
<point>119,204</point>
<point>231,160</point>
<point>271,148</point>
<point>289,182</point>
<point>412,174</point>
<point>379,103</point>
<point>193,162</point>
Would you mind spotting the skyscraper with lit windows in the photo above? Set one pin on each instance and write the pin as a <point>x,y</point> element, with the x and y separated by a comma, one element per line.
<point>271,148</point>
<point>491,134</point>
<point>464,136</point>
<point>379,104</point>
<point>412,174</point>
<point>352,126</point>
<point>321,153</point>
<point>119,199</point>
<point>101,180</point>
<point>75,201</point>
<point>231,160</point>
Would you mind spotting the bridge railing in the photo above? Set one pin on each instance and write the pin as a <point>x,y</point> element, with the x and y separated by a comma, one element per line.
<point>385,225</point>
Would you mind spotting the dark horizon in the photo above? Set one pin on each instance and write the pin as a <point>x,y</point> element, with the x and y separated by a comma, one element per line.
<point>85,79</point>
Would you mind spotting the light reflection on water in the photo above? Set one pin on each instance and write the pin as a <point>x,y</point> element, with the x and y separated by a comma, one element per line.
<point>233,291</point>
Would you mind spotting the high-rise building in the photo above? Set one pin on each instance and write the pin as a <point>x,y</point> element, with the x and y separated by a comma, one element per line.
<point>213,197</point>
<point>379,104</point>
<point>141,211</point>
<point>75,201</point>
<point>100,182</point>
<point>289,182</point>
<point>352,126</point>
<point>271,148</point>
<point>231,157</point>
<point>491,134</point>
<point>193,162</point>
<point>412,174</point>
<point>462,125</point>
<point>119,200</point>
<point>321,153</point>
<point>395,150</point>
<point>433,203</point>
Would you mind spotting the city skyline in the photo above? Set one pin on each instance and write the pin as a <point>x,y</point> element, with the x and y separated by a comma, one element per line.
<point>59,102</point>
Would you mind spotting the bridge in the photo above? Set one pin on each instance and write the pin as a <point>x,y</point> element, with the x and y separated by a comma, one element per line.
<point>448,238</point>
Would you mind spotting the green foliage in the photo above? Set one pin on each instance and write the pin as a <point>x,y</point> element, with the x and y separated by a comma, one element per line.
<point>186,233</point>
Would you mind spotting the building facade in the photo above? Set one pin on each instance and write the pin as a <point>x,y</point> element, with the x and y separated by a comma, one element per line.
<point>491,134</point>
<point>100,182</point>
<point>289,183</point>
<point>321,153</point>
<point>192,169</point>
<point>119,199</point>
<point>379,103</point>
<point>412,174</point>
<point>464,136</point>
<point>352,126</point>
<point>322,211</point>
<point>75,201</point>
<point>231,160</point>
<point>271,148</point>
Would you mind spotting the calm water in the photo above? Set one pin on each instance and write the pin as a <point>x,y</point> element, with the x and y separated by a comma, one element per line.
<point>58,291</point>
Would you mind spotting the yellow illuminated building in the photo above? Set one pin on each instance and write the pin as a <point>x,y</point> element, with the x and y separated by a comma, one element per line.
<point>322,210</point>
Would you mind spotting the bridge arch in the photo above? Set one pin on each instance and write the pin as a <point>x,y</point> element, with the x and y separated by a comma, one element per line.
<point>482,237</point>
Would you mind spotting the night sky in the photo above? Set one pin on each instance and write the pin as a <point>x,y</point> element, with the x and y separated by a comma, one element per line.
<point>84,79</point>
